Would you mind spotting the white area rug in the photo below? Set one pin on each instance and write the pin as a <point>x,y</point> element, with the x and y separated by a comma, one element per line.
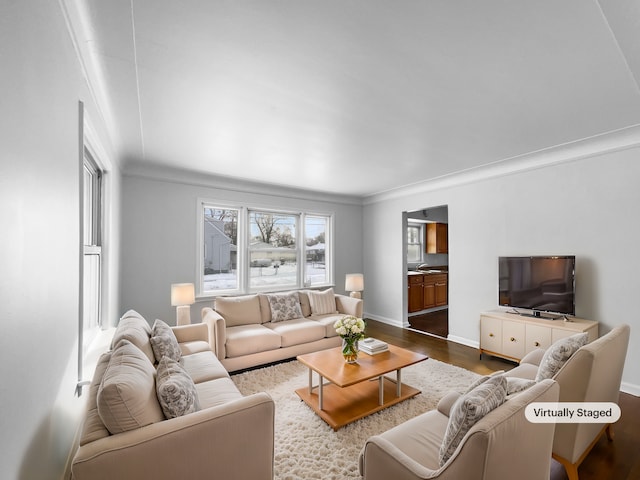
<point>307,448</point>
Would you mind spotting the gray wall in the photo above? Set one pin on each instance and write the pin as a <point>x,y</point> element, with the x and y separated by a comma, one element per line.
<point>39,244</point>
<point>584,207</point>
<point>159,236</point>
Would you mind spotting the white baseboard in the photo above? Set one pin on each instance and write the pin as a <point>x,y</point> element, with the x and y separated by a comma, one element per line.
<point>630,388</point>
<point>463,341</point>
<point>388,321</point>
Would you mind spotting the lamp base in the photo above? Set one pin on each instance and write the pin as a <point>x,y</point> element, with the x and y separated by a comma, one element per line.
<point>355,295</point>
<point>183,315</point>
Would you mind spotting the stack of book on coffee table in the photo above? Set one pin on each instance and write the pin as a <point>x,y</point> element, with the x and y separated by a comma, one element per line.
<point>373,346</point>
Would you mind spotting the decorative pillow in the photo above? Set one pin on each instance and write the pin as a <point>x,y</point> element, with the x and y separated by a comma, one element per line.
<point>175,388</point>
<point>558,354</point>
<point>284,306</point>
<point>134,328</point>
<point>515,384</point>
<point>322,302</point>
<point>469,409</point>
<point>164,342</point>
<point>127,394</point>
<point>483,379</point>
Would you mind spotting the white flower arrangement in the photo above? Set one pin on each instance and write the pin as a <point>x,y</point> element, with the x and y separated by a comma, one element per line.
<point>350,327</point>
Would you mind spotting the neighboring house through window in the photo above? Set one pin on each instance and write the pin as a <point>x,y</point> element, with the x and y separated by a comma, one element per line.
<point>246,249</point>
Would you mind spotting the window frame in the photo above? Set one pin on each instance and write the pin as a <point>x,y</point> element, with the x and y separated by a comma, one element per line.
<point>244,251</point>
<point>420,243</point>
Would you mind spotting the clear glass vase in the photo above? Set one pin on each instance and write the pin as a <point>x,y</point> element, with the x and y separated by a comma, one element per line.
<point>350,349</point>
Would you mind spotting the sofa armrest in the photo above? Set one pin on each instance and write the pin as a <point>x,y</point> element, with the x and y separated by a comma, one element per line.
<point>534,357</point>
<point>349,305</point>
<point>214,441</point>
<point>381,459</point>
<point>191,333</point>
<point>217,334</point>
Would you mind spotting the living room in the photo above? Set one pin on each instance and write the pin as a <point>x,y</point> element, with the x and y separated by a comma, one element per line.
<point>572,196</point>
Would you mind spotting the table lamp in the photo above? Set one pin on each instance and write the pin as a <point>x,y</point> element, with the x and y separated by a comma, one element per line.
<point>182,297</point>
<point>354,283</point>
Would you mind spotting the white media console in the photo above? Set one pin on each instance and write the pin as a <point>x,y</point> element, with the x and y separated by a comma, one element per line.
<point>512,336</point>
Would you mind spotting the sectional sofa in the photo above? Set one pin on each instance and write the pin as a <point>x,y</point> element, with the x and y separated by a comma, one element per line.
<point>162,406</point>
<point>251,330</point>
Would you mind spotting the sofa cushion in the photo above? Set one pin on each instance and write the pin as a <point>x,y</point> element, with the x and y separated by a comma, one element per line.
<point>93,428</point>
<point>327,321</point>
<point>297,331</point>
<point>176,391</point>
<point>303,295</point>
<point>469,409</point>
<point>217,392</point>
<point>189,348</point>
<point>134,328</point>
<point>248,339</point>
<point>558,354</point>
<point>164,342</point>
<point>243,310</point>
<point>203,366</point>
<point>322,302</point>
<point>127,394</point>
<point>284,306</point>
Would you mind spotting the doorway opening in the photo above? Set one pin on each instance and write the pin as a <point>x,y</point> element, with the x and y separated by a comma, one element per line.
<point>427,267</point>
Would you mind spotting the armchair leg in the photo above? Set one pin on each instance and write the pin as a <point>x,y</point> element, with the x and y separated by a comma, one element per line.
<point>572,468</point>
<point>609,431</point>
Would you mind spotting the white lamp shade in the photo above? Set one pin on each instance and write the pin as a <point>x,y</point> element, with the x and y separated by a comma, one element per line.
<point>182,294</point>
<point>354,282</point>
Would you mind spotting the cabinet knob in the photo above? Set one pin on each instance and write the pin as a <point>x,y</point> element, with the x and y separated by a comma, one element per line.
<point>491,335</point>
<point>537,344</point>
<point>513,339</point>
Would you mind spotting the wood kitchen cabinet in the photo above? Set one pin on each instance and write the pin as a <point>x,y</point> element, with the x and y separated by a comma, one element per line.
<point>435,290</point>
<point>437,238</point>
<point>416,295</point>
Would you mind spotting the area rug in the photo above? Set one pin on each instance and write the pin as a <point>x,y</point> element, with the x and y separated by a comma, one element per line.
<point>307,448</point>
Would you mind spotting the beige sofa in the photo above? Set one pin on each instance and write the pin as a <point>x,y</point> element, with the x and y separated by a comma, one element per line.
<point>245,332</point>
<point>502,445</point>
<point>126,433</point>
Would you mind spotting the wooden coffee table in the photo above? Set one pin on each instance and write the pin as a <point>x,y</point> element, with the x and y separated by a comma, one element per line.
<point>356,390</point>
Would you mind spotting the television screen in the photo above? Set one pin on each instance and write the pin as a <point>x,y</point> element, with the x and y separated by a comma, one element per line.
<point>541,284</point>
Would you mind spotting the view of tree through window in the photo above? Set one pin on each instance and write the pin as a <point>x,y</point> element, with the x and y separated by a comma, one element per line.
<point>270,255</point>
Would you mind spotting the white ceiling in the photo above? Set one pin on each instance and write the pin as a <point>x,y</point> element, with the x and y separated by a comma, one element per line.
<point>355,97</point>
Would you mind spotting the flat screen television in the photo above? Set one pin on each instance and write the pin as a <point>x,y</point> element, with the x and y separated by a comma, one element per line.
<point>538,283</point>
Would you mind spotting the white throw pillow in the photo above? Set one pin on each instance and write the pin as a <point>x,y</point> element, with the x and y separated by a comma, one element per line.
<point>127,394</point>
<point>468,410</point>
<point>558,354</point>
<point>322,303</point>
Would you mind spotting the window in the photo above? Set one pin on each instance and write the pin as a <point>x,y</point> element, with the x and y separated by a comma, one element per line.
<point>250,250</point>
<point>414,243</point>
<point>92,249</point>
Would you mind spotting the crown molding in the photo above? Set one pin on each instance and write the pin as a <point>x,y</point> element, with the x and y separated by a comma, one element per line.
<point>207,180</point>
<point>596,145</point>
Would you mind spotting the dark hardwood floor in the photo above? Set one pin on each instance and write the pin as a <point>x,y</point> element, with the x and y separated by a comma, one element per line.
<point>434,323</point>
<point>616,460</point>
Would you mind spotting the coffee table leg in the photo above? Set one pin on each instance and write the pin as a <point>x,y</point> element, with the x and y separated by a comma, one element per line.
<point>381,390</point>
<point>398,383</point>
<point>320,397</point>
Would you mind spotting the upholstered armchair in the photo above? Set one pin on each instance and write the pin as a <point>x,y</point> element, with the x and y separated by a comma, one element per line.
<point>502,445</point>
<point>592,374</point>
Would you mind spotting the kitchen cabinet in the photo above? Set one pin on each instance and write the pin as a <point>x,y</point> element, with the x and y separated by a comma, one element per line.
<point>513,336</point>
<point>437,240</point>
<point>416,298</point>
<point>427,291</point>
